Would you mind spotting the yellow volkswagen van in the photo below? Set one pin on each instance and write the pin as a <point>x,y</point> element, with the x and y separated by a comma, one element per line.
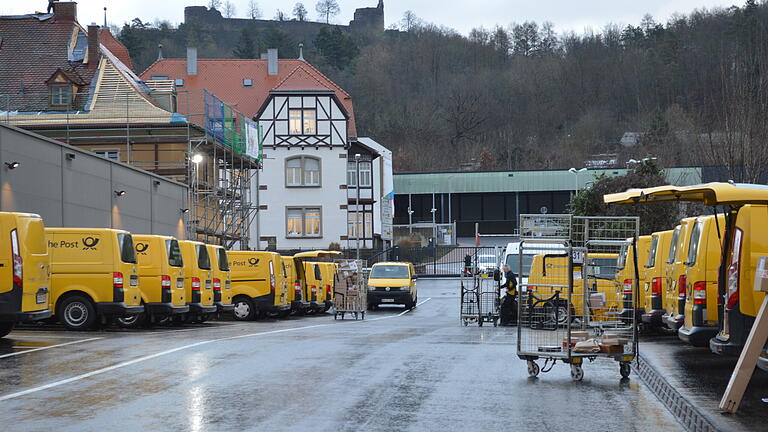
<point>314,274</point>
<point>222,281</point>
<point>676,285</point>
<point>258,286</point>
<point>625,271</point>
<point>295,287</point>
<point>654,292</point>
<point>745,239</point>
<point>701,265</point>
<point>161,279</point>
<point>25,270</point>
<point>392,283</point>
<point>94,275</point>
<point>198,280</point>
<point>325,291</point>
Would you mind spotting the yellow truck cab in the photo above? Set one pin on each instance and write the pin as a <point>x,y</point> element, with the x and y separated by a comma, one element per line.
<point>94,275</point>
<point>676,285</point>
<point>313,272</point>
<point>745,239</point>
<point>625,274</point>
<point>392,283</point>
<point>701,317</point>
<point>258,286</point>
<point>654,292</point>
<point>161,278</point>
<point>549,274</point>
<point>24,270</point>
<point>222,281</point>
<point>198,280</point>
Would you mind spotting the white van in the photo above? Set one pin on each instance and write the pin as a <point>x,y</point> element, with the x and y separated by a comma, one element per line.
<point>512,257</point>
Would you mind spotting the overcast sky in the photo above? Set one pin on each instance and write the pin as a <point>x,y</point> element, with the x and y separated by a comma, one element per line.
<point>461,15</point>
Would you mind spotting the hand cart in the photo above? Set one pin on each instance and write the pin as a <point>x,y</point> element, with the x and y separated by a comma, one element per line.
<point>567,304</point>
<point>349,289</point>
<point>490,300</point>
<point>480,298</point>
<point>470,302</point>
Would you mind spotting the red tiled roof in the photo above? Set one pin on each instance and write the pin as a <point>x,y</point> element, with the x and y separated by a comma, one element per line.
<point>224,78</point>
<point>32,50</point>
<point>115,47</point>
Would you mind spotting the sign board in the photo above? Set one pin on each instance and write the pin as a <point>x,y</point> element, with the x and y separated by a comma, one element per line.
<point>578,256</point>
<point>253,140</point>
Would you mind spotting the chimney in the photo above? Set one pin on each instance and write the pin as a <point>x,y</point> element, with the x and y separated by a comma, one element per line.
<point>191,61</point>
<point>65,11</point>
<point>272,61</point>
<point>263,56</point>
<point>93,46</point>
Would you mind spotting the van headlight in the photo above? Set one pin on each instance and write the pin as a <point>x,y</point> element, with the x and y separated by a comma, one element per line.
<point>371,288</point>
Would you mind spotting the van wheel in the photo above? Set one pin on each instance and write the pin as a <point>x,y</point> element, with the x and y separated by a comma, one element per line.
<point>131,321</point>
<point>244,310</point>
<point>76,313</point>
<point>5,328</point>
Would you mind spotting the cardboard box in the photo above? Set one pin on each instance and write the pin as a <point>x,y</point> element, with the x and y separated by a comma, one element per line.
<point>612,349</point>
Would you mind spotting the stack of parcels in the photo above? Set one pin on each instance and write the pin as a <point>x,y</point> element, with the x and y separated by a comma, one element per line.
<point>576,337</point>
<point>613,343</point>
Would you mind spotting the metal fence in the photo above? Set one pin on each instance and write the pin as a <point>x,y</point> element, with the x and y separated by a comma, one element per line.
<point>447,261</point>
<point>421,234</point>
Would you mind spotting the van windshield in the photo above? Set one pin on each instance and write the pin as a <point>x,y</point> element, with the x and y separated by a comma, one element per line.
<point>203,260</point>
<point>223,264</point>
<point>673,246</point>
<point>174,253</point>
<point>513,261</point>
<point>389,272</point>
<point>127,253</point>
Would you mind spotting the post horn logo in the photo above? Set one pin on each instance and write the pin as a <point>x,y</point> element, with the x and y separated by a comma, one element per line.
<point>253,261</point>
<point>141,247</point>
<point>90,243</point>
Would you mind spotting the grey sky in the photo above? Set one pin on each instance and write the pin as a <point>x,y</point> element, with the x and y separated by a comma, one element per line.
<point>566,14</point>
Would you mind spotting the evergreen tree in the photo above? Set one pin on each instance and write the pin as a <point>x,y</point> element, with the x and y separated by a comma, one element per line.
<point>338,48</point>
<point>245,48</point>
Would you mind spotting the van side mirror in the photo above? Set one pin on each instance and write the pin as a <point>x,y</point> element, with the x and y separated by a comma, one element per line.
<point>497,275</point>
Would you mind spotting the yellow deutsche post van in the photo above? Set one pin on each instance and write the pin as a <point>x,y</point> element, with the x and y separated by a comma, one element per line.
<point>161,278</point>
<point>295,287</point>
<point>198,280</point>
<point>222,281</point>
<point>745,239</point>
<point>676,285</point>
<point>309,266</point>
<point>25,270</point>
<point>625,274</point>
<point>392,283</point>
<point>654,291</point>
<point>325,293</point>
<point>94,275</point>
<point>549,274</point>
<point>701,265</point>
<point>258,285</point>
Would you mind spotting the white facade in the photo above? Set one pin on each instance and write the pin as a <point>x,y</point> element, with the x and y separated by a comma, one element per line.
<point>383,190</point>
<point>302,193</point>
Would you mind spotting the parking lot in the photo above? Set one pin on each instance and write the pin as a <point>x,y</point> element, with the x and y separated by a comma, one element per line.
<point>397,370</point>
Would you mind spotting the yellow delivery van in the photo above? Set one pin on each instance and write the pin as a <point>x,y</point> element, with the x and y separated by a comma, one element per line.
<point>295,287</point>
<point>314,275</point>
<point>258,285</point>
<point>198,280</point>
<point>94,276</point>
<point>625,275</point>
<point>222,281</point>
<point>392,283</point>
<point>24,270</point>
<point>654,292</point>
<point>676,285</point>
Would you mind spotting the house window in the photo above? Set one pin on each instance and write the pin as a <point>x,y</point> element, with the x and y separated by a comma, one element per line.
<point>302,121</point>
<point>359,223</point>
<point>179,82</point>
<point>159,77</point>
<point>365,174</point>
<point>303,222</point>
<point>247,82</point>
<point>61,95</point>
<point>109,154</point>
<point>302,171</point>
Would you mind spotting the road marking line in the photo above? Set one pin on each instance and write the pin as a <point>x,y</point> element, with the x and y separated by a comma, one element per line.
<point>166,352</point>
<point>417,304</point>
<point>49,347</point>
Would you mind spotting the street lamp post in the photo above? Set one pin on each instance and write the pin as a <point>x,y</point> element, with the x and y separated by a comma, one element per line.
<point>576,173</point>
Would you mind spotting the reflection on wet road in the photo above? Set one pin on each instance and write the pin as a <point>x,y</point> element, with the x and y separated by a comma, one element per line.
<point>394,371</point>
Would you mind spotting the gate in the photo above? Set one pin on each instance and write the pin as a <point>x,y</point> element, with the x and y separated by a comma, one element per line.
<point>445,261</point>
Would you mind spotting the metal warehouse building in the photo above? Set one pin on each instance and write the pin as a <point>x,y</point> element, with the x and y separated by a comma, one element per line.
<point>496,199</point>
<point>71,187</point>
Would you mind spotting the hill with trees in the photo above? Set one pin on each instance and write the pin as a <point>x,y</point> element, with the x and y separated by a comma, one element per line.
<point>693,90</point>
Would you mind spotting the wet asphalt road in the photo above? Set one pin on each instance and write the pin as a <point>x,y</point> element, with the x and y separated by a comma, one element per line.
<point>395,371</point>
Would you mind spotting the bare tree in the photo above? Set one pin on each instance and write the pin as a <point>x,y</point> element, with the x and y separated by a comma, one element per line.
<point>214,4</point>
<point>279,15</point>
<point>229,9</point>
<point>300,12</point>
<point>253,9</point>
<point>409,21</point>
<point>327,9</point>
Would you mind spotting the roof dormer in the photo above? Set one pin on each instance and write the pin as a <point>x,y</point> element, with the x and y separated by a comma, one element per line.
<point>62,88</point>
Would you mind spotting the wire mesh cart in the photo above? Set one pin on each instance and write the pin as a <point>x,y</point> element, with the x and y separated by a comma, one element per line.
<point>490,300</point>
<point>349,289</point>
<point>572,306</point>
<point>480,294</point>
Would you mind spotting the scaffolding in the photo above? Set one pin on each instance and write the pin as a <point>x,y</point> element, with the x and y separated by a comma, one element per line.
<point>190,137</point>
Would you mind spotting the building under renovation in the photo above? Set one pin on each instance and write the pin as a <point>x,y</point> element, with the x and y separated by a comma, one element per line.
<point>77,87</point>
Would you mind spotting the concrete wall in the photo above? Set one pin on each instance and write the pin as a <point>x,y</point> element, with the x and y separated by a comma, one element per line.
<point>79,191</point>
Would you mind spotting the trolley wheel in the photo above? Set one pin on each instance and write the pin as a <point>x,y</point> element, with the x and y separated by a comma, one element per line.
<point>533,368</point>
<point>577,373</point>
<point>495,322</point>
<point>625,369</point>
<point>466,322</point>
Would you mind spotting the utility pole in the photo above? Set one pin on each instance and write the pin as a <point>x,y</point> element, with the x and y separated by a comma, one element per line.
<point>357,204</point>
